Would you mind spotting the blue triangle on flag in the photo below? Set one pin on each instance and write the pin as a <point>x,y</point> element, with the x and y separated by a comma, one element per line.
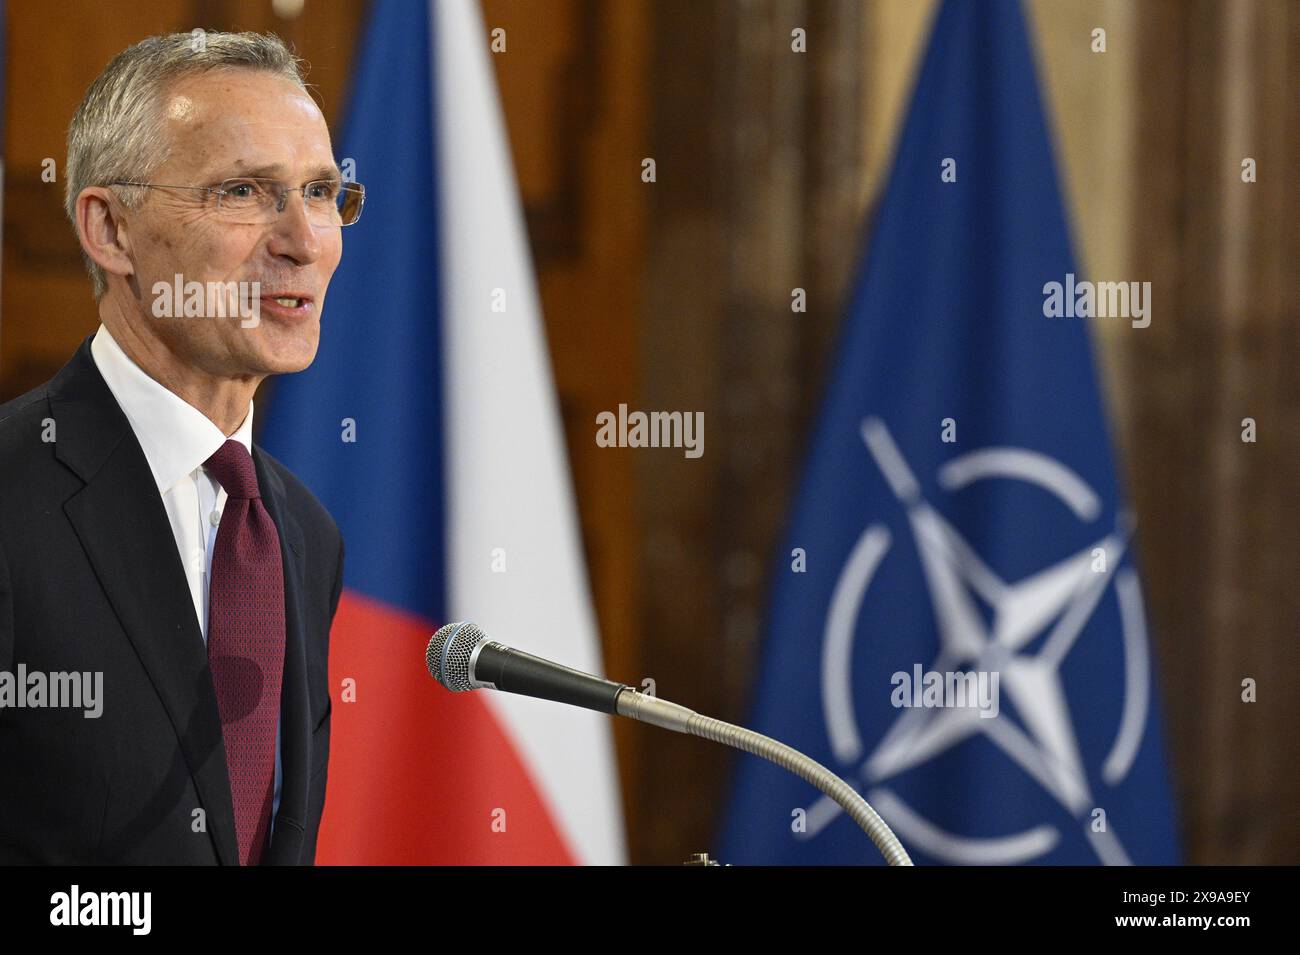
<point>363,426</point>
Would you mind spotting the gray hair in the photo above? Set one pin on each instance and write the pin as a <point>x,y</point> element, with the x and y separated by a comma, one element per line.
<point>117,132</point>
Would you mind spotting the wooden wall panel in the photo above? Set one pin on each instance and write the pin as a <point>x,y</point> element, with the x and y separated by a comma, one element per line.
<point>1221,518</point>
<point>574,84</point>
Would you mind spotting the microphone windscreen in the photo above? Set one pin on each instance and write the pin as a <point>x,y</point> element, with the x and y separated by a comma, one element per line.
<point>448,655</point>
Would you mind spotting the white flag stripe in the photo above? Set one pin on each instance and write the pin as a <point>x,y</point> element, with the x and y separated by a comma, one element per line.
<point>507,470</point>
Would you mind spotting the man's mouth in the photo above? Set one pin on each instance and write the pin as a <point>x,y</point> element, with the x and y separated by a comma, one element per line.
<point>287,299</point>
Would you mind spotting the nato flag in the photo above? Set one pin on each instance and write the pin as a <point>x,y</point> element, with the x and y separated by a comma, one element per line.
<point>957,624</point>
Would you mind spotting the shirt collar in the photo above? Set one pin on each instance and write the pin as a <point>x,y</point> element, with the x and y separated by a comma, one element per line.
<point>175,436</point>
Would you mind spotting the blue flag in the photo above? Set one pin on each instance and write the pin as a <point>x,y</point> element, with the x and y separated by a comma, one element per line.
<point>957,624</point>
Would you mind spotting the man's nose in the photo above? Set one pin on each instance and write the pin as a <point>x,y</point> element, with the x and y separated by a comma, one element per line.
<point>292,233</point>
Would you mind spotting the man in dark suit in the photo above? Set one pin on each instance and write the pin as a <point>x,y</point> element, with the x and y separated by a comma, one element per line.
<point>166,587</point>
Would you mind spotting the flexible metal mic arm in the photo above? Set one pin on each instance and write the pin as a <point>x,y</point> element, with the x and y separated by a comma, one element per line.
<point>461,657</point>
<point>680,719</point>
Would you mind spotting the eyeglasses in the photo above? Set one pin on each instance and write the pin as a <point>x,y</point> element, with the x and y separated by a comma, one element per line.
<point>248,201</point>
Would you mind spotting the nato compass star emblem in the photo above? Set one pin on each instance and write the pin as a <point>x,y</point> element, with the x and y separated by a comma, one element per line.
<point>1054,603</point>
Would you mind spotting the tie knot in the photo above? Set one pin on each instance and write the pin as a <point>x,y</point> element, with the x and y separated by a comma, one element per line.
<point>232,465</point>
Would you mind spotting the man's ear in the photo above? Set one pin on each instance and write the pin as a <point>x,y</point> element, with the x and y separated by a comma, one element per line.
<point>103,231</point>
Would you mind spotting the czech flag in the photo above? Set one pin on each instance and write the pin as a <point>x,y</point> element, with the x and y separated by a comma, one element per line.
<point>428,425</point>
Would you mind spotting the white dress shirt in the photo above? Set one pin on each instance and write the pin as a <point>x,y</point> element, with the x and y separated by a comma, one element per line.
<point>177,438</point>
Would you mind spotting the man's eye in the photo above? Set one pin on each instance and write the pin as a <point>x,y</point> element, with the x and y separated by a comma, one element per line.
<point>322,190</point>
<point>241,190</point>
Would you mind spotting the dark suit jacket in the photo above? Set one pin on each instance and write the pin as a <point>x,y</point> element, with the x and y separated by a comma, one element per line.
<point>90,580</point>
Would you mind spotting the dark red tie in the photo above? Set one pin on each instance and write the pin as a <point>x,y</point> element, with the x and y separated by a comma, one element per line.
<point>246,643</point>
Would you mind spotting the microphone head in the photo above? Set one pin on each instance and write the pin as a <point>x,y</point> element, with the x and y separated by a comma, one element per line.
<point>449,654</point>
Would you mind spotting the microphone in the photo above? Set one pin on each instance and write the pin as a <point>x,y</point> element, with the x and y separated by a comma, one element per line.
<point>461,657</point>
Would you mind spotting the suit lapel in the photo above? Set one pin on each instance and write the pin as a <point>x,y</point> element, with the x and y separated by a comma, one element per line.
<point>295,704</point>
<point>123,527</point>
